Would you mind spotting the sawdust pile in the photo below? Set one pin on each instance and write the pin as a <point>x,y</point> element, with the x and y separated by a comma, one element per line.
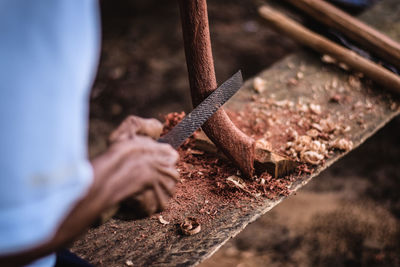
<point>216,181</point>
<point>305,130</point>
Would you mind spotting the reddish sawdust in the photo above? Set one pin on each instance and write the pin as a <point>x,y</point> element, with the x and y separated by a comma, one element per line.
<point>203,189</point>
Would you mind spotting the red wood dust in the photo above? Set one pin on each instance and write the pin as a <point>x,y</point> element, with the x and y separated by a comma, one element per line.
<point>203,186</point>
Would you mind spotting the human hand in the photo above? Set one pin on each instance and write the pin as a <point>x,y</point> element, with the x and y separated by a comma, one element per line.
<point>133,126</point>
<point>144,174</point>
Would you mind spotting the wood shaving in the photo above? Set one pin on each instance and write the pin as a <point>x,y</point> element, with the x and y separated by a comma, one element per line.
<point>312,133</point>
<point>327,125</point>
<point>307,150</point>
<point>344,66</point>
<point>263,144</point>
<point>292,134</point>
<point>259,85</point>
<point>354,82</point>
<point>328,59</point>
<point>236,181</point>
<point>315,108</point>
<point>301,143</point>
<point>311,157</point>
<point>342,144</point>
<point>162,221</point>
<point>317,127</point>
<point>195,151</point>
<point>358,104</point>
<point>334,83</point>
<point>300,75</point>
<point>190,226</point>
<point>346,129</point>
<point>284,103</point>
<point>318,147</point>
<point>302,108</point>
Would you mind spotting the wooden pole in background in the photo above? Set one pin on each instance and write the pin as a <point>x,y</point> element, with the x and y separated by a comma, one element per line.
<point>364,35</point>
<point>308,38</point>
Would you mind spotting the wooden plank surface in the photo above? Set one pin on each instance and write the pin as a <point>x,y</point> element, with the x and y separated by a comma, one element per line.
<point>300,77</point>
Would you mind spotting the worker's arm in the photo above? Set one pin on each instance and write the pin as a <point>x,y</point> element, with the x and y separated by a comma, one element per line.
<point>49,190</point>
<point>133,164</point>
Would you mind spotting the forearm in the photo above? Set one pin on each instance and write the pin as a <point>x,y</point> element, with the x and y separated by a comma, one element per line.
<point>127,169</point>
<point>82,215</point>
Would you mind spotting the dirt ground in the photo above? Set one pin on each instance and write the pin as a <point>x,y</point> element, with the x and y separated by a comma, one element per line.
<point>349,215</point>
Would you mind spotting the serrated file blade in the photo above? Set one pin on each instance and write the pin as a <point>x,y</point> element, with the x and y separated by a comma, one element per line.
<point>195,119</point>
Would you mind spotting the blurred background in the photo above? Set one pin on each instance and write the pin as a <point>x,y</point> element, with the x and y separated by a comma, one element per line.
<point>348,216</point>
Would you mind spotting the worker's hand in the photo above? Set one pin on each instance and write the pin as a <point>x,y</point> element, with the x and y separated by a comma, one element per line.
<point>138,168</point>
<point>147,166</point>
<point>133,126</point>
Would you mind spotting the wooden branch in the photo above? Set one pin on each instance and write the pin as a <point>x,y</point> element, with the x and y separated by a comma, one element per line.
<point>219,128</point>
<point>308,38</point>
<point>366,36</point>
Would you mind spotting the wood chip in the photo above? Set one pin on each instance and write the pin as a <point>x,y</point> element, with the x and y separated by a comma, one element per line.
<point>354,82</point>
<point>328,59</point>
<point>311,157</point>
<point>344,66</point>
<point>162,221</point>
<point>342,144</point>
<point>300,75</point>
<point>315,108</point>
<point>259,85</point>
<point>317,126</point>
<point>235,181</point>
<point>190,226</point>
<point>327,125</point>
<point>312,133</point>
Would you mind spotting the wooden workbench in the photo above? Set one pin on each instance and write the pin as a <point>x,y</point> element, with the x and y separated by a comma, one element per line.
<point>165,246</point>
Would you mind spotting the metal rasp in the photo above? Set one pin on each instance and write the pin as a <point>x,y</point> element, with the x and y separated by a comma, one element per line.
<point>195,119</point>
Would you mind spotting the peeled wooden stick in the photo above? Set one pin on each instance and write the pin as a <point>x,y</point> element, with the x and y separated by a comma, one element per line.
<point>363,34</point>
<point>308,38</point>
<point>219,128</point>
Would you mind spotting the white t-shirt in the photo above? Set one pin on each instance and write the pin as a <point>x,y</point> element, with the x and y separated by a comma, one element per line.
<point>49,53</point>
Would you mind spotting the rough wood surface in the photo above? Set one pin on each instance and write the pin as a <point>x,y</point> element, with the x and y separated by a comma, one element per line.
<point>156,244</point>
